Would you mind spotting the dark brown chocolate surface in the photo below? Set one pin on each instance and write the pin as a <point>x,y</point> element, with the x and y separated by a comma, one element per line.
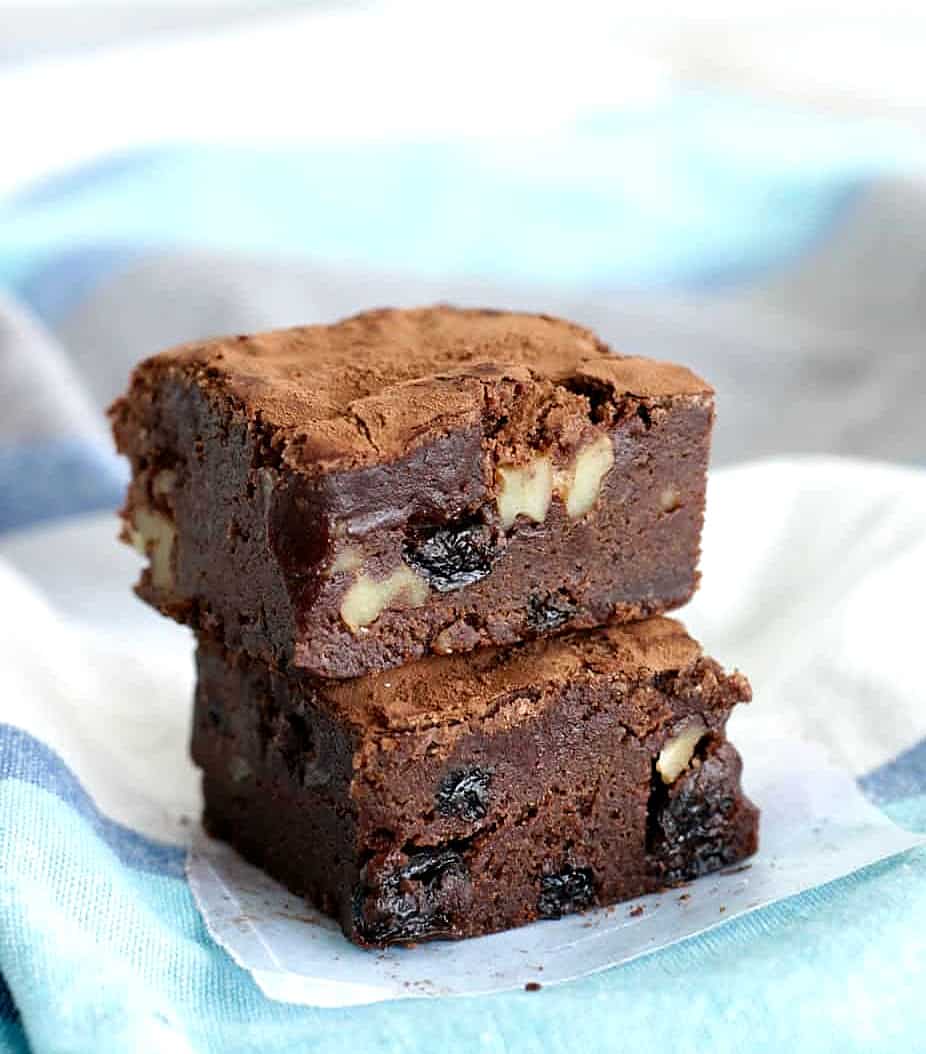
<point>279,470</point>
<point>463,795</point>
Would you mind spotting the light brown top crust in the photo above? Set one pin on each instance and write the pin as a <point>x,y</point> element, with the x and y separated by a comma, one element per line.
<point>441,690</point>
<point>371,387</point>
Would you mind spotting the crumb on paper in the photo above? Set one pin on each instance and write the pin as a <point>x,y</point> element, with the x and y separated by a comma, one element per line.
<point>723,908</point>
<point>685,896</point>
<point>533,986</point>
<point>636,912</point>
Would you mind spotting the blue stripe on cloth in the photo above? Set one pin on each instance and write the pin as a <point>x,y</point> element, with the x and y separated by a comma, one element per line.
<point>50,189</point>
<point>904,777</point>
<point>736,271</point>
<point>101,957</point>
<point>13,1038</point>
<point>696,190</point>
<point>50,478</point>
<point>8,1011</point>
<point>24,758</point>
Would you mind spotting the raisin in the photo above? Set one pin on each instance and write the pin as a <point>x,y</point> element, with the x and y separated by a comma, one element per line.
<point>690,822</point>
<point>571,890</point>
<point>413,901</point>
<point>464,793</point>
<point>453,556</point>
<point>547,613</point>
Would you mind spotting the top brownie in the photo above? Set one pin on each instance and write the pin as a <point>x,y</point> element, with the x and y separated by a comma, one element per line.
<point>348,498</point>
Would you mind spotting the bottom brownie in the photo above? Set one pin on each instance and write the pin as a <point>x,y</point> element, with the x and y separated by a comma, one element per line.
<point>468,794</point>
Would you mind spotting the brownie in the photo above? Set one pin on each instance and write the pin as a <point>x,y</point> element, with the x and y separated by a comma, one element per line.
<point>349,498</point>
<point>465,794</point>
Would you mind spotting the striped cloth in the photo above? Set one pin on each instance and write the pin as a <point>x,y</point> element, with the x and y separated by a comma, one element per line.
<point>778,252</point>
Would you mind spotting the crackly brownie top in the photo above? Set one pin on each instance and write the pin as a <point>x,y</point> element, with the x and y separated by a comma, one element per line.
<point>371,387</point>
<point>486,684</point>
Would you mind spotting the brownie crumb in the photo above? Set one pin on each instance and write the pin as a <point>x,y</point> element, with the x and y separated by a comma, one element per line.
<point>636,912</point>
<point>533,986</point>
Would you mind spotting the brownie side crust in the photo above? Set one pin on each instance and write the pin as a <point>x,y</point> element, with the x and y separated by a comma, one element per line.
<point>464,795</point>
<point>350,498</point>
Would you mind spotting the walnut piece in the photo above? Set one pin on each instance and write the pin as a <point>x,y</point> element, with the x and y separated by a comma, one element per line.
<point>152,534</point>
<point>527,490</point>
<point>368,598</point>
<point>347,560</point>
<point>580,485</point>
<point>164,482</point>
<point>670,499</point>
<point>678,751</point>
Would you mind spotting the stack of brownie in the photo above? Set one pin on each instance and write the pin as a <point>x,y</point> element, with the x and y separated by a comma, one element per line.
<point>425,555</point>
